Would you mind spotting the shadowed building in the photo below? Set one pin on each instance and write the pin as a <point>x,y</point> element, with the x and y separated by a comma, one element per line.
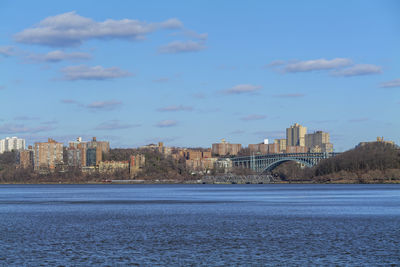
<point>318,142</point>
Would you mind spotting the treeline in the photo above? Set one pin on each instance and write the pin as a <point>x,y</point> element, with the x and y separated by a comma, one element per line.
<point>372,162</point>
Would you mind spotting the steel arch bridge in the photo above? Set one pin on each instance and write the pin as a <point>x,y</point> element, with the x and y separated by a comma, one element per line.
<point>268,162</point>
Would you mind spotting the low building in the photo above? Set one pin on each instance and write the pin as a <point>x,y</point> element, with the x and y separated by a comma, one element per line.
<point>296,149</point>
<point>113,166</point>
<point>225,149</point>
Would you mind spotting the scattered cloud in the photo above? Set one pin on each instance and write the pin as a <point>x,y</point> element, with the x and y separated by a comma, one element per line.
<point>359,69</point>
<point>243,89</point>
<point>83,72</point>
<point>253,117</point>
<point>25,118</point>
<point>2,87</point>
<point>175,108</point>
<point>6,51</point>
<point>104,105</point>
<point>355,120</point>
<point>181,47</point>
<point>167,123</point>
<point>317,64</point>
<point>57,56</point>
<point>290,95</point>
<point>115,125</point>
<point>11,128</point>
<point>71,29</point>
<point>161,80</point>
<point>391,84</point>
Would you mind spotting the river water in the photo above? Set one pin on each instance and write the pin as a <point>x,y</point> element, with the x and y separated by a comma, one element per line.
<point>211,225</point>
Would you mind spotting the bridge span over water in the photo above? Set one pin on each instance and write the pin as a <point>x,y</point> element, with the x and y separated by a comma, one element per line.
<point>266,163</point>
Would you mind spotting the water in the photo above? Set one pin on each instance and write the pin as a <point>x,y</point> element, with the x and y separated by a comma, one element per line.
<point>218,225</point>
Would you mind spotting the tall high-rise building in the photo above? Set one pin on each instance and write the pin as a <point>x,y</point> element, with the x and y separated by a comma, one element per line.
<point>12,143</point>
<point>318,142</point>
<point>295,135</point>
<point>95,150</point>
<point>47,155</point>
<point>77,153</point>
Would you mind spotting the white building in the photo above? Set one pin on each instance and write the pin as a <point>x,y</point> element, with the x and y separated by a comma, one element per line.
<point>11,143</point>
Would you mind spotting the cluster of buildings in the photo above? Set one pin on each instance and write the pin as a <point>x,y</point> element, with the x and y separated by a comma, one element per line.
<point>88,156</point>
<point>297,141</point>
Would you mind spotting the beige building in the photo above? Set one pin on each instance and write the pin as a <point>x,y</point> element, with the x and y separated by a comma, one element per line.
<point>295,135</point>
<point>318,142</point>
<point>281,143</point>
<point>136,163</point>
<point>47,155</point>
<point>113,166</point>
<point>224,148</point>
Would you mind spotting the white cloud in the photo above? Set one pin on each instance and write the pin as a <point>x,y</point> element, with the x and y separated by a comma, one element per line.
<point>181,47</point>
<point>390,84</point>
<point>253,117</point>
<point>71,29</point>
<point>57,56</point>
<point>175,108</point>
<point>167,123</point>
<point>317,64</point>
<point>243,88</point>
<point>359,69</point>
<point>6,50</point>
<point>83,72</point>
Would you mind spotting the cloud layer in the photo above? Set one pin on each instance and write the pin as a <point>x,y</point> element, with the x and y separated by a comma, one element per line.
<point>166,123</point>
<point>318,64</point>
<point>6,51</point>
<point>359,69</point>
<point>243,89</point>
<point>181,47</point>
<point>71,29</point>
<point>11,128</point>
<point>253,117</point>
<point>175,108</point>
<point>57,56</point>
<point>391,84</point>
<point>83,72</point>
<point>337,67</point>
<point>115,125</point>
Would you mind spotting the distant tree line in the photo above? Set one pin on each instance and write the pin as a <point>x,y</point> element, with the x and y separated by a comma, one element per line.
<point>371,162</point>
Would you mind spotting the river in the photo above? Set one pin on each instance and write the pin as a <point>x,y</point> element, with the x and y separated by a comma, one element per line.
<point>211,225</point>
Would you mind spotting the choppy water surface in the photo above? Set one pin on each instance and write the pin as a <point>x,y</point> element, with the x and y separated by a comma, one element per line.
<point>302,225</point>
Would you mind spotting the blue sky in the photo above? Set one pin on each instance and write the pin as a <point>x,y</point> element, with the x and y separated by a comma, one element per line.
<point>191,73</point>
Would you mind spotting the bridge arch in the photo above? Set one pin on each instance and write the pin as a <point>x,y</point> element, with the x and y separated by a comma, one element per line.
<point>276,163</point>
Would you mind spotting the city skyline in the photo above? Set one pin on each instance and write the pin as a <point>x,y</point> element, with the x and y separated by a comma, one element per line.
<point>181,74</point>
